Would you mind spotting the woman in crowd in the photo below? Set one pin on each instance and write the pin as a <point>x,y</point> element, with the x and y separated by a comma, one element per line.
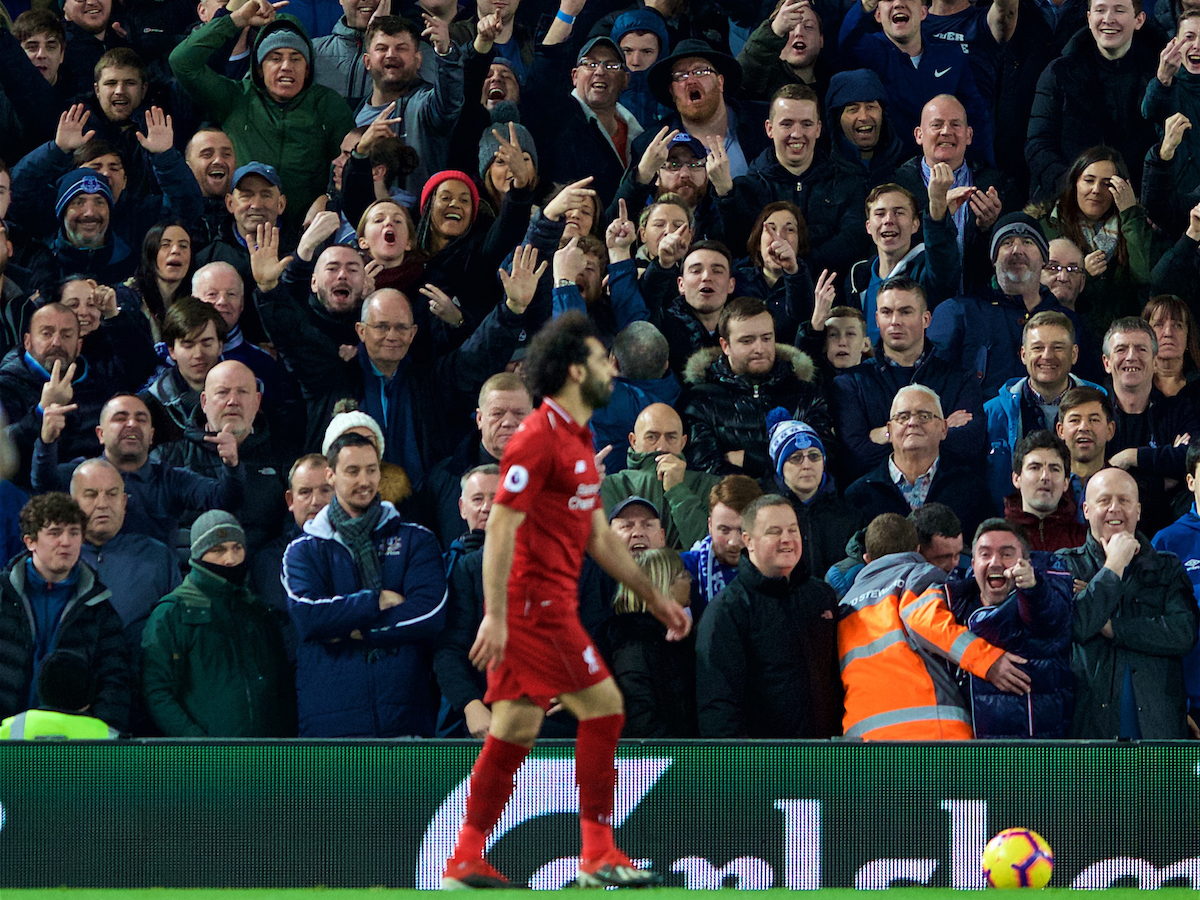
<point>465,248</point>
<point>1177,365</point>
<point>827,521</point>
<point>665,230</point>
<point>394,483</point>
<point>1098,210</point>
<point>504,164</point>
<point>776,270</point>
<point>116,342</point>
<point>164,274</point>
<point>386,235</point>
<point>657,677</point>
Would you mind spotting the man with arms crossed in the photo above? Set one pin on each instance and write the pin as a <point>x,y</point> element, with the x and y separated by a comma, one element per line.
<point>546,514</point>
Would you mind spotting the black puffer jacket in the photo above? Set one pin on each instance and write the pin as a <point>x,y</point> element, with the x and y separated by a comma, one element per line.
<point>724,412</point>
<point>827,523</point>
<point>685,333</point>
<point>1034,624</point>
<point>1083,100</point>
<point>89,626</point>
<point>831,194</point>
<point>657,677</point>
<point>1152,612</point>
<point>766,658</point>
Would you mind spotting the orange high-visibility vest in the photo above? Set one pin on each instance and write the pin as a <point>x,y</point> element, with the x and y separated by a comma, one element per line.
<point>896,632</point>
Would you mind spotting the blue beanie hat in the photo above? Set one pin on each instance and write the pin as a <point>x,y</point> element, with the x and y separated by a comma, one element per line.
<point>787,435</point>
<point>854,86</point>
<point>81,181</point>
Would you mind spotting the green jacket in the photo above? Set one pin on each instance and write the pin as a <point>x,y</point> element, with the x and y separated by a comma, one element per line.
<point>214,665</point>
<point>684,508</point>
<point>299,138</point>
<point>51,725</point>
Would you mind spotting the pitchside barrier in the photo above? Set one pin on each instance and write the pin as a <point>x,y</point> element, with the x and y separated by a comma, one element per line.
<point>710,814</point>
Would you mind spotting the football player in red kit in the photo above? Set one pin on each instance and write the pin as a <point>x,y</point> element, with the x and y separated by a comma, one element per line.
<point>546,515</point>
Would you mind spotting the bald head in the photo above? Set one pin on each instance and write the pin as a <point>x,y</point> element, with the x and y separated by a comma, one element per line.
<point>658,429</point>
<point>944,133</point>
<point>126,431</point>
<point>231,398</point>
<point>99,490</point>
<point>1111,503</point>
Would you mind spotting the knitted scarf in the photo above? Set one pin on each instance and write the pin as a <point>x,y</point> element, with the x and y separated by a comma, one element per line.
<point>710,573</point>
<point>357,535</point>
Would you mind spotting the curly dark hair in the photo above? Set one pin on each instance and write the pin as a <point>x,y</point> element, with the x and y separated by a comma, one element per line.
<point>562,343</point>
<point>53,508</point>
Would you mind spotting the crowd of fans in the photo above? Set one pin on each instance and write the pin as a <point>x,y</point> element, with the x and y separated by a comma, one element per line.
<point>902,299</point>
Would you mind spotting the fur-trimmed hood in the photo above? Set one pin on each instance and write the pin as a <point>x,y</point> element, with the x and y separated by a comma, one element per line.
<point>786,357</point>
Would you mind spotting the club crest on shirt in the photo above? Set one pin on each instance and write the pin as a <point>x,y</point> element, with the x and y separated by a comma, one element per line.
<point>580,466</point>
<point>391,546</point>
<point>516,479</point>
<point>589,657</point>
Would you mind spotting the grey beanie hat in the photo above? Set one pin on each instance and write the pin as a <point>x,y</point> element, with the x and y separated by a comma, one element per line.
<point>502,114</point>
<point>213,528</point>
<point>1019,224</point>
<point>281,39</point>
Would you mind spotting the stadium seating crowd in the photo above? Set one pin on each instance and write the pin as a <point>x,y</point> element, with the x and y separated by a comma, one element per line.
<point>924,277</point>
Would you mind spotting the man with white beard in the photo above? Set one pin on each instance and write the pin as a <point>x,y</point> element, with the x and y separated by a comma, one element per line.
<point>983,333</point>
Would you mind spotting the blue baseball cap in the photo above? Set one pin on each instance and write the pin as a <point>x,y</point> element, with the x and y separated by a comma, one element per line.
<point>693,144</point>
<point>257,168</point>
<point>634,501</point>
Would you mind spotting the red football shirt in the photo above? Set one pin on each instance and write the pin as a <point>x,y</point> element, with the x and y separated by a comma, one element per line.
<point>548,472</point>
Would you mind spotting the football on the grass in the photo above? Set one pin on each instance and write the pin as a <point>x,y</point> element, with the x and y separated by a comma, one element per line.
<point>1017,858</point>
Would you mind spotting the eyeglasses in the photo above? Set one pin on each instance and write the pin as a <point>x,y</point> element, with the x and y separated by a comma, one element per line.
<point>681,77</point>
<point>672,165</point>
<point>1055,269</point>
<point>921,416</point>
<point>813,456</point>
<point>382,329</point>
<point>594,65</point>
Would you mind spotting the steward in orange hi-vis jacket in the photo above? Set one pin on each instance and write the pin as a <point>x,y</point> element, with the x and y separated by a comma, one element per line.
<point>895,634</point>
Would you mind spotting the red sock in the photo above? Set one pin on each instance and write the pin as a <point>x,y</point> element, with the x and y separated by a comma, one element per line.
<point>596,775</point>
<point>491,786</point>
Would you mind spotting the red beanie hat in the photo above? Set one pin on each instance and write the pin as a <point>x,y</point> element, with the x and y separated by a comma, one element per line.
<point>450,175</point>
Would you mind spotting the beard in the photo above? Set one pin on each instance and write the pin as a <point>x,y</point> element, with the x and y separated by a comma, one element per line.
<point>595,391</point>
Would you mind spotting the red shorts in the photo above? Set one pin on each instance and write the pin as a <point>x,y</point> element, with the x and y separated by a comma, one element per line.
<point>543,660</point>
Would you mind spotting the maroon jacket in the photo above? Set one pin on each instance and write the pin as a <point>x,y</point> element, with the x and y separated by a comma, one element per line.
<point>1057,531</point>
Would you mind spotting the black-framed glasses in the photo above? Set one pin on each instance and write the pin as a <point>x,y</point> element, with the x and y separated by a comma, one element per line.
<point>1056,269</point>
<point>672,165</point>
<point>699,72</point>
